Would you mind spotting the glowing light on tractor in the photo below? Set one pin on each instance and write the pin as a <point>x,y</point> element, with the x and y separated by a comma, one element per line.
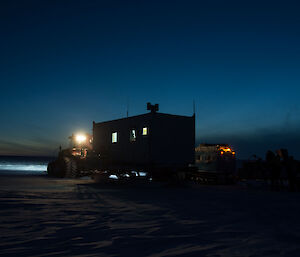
<point>80,138</point>
<point>226,150</point>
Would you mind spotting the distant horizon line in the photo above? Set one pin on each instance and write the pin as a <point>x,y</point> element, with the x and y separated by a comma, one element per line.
<point>18,155</point>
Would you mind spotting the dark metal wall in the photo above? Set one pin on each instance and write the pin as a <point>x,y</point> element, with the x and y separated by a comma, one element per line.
<point>173,140</point>
<point>170,140</point>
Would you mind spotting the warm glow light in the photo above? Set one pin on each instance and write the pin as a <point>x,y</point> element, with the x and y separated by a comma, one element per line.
<point>80,138</point>
<point>225,149</point>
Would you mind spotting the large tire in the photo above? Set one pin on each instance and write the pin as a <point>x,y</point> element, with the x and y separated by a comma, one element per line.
<point>70,167</point>
<point>55,169</point>
<point>50,169</point>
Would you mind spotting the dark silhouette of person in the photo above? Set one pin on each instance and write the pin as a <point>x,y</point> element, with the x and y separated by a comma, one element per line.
<point>288,165</point>
<point>274,168</point>
<point>277,171</point>
<point>291,170</point>
<point>269,168</point>
<point>282,155</point>
<point>297,166</point>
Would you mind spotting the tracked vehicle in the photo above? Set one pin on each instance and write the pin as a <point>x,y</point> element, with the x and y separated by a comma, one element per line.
<point>215,164</point>
<point>72,160</point>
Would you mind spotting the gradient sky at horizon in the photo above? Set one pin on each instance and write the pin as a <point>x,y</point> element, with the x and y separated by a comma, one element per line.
<point>65,64</point>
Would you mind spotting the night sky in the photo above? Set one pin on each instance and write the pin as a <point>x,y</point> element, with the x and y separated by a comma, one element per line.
<point>64,64</point>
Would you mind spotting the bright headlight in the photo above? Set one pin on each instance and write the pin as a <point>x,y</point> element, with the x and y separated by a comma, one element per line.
<point>80,138</point>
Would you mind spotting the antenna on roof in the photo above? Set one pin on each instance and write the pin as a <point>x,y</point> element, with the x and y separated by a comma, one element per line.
<point>127,112</point>
<point>152,107</point>
<point>194,108</point>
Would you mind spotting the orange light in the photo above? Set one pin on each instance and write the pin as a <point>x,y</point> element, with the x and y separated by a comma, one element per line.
<point>222,152</point>
<point>225,149</point>
<point>233,153</point>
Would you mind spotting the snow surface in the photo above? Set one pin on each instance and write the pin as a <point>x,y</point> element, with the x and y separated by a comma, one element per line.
<point>41,216</point>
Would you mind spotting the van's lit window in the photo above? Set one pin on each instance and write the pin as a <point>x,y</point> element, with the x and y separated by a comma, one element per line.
<point>114,137</point>
<point>145,131</point>
<point>132,135</point>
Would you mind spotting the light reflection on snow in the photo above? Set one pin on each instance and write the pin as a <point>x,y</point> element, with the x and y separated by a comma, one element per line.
<point>23,167</point>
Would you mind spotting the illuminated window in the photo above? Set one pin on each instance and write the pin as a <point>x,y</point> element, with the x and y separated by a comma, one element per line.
<point>114,137</point>
<point>132,135</point>
<point>145,131</point>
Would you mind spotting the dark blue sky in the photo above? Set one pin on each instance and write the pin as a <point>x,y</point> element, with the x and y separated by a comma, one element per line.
<point>66,63</point>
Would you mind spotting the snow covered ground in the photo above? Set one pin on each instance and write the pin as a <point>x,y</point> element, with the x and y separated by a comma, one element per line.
<point>41,216</point>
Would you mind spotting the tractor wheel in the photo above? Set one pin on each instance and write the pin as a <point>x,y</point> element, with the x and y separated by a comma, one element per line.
<point>55,169</point>
<point>70,167</point>
<point>59,170</point>
<point>50,169</point>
